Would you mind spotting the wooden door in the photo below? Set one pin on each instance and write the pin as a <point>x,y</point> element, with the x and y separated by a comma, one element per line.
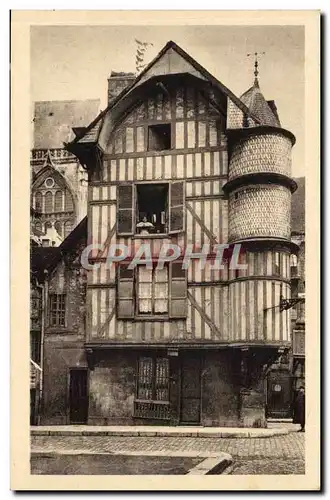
<point>78,396</point>
<point>190,389</point>
<point>279,394</point>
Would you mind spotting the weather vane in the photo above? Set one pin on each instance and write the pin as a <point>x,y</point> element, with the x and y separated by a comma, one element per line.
<point>256,64</point>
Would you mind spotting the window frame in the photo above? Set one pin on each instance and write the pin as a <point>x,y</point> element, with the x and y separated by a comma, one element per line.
<point>135,315</point>
<point>153,357</point>
<point>134,199</point>
<point>137,212</point>
<point>57,311</point>
<point>152,314</point>
<point>154,126</point>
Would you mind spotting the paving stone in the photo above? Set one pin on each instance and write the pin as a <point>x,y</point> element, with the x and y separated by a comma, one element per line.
<point>286,446</point>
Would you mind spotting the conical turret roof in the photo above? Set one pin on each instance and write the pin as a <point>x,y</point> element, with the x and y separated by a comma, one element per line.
<point>259,107</point>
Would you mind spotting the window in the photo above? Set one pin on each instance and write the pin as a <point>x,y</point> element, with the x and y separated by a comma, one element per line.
<point>38,202</point>
<point>293,260</point>
<point>56,309</point>
<point>152,291</point>
<point>159,137</point>
<point>151,207</point>
<point>48,202</point>
<point>277,266</point>
<point>68,201</point>
<point>58,201</point>
<point>49,182</point>
<point>153,379</point>
<point>157,209</point>
<point>143,292</point>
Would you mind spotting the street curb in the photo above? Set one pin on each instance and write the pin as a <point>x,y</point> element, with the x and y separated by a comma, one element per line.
<point>212,466</point>
<point>207,433</point>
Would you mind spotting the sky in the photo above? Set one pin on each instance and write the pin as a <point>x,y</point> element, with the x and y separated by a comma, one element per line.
<point>74,62</point>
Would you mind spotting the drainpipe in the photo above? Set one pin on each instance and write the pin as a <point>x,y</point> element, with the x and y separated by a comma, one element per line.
<point>44,295</point>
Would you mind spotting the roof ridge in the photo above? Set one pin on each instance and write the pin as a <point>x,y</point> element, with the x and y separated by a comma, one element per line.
<point>169,45</point>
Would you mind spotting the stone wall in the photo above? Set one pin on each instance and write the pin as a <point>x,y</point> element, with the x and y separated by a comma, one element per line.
<point>219,390</point>
<point>112,389</point>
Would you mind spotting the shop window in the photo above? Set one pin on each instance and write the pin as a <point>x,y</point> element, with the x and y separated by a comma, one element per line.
<point>57,309</point>
<point>159,137</point>
<point>153,379</point>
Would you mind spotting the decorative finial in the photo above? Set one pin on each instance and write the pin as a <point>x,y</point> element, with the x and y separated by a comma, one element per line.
<point>256,64</point>
<point>140,50</point>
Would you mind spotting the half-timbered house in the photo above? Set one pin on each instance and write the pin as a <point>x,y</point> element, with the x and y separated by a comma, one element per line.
<point>177,159</point>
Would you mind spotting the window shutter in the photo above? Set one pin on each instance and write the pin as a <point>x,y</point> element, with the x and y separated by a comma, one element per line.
<point>125,209</point>
<point>125,292</point>
<point>178,291</point>
<point>176,207</point>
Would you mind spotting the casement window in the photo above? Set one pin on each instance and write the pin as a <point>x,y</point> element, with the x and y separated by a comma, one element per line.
<point>159,137</point>
<point>153,379</point>
<point>143,293</point>
<point>152,291</point>
<point>151,209</point>
<point>57,309</point>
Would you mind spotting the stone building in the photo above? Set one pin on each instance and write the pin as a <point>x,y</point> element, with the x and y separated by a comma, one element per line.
<point>58,181</point>
<point>175,159</point>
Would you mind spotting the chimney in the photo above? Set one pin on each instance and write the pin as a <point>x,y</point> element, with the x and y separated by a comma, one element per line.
<point>117,82</point>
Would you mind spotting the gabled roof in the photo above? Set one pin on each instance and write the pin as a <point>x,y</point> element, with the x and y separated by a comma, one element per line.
<point>170,60</point>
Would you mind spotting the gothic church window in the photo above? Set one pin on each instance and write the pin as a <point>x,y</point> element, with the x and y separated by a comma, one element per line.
<point>68,201</point>
<point>58,201</point>
<point>48,202</point>
<point>38,198</point>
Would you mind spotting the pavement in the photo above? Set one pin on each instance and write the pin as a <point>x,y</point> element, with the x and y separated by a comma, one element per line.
<point>272,453</point>
<point>284,446</point>
<point>274,429</point>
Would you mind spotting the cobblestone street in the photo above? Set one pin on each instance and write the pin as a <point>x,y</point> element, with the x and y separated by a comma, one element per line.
<point>282,454</point>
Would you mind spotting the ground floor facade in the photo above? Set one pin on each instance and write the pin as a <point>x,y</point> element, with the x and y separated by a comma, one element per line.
<point>144,385</point>
<point>283,383</point>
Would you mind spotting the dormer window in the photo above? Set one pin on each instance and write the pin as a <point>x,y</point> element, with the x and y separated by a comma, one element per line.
<point>159,137</point>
